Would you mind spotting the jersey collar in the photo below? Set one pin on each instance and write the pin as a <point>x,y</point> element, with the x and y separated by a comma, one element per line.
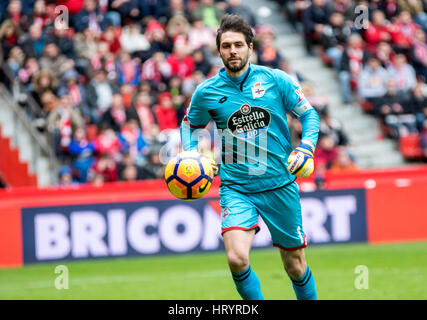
<point>239,81</point>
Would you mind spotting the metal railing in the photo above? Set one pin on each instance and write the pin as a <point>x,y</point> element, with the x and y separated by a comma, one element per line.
<point>13,91</point>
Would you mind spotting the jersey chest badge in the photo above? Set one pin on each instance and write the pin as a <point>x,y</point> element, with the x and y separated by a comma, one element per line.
<point>258,90</point>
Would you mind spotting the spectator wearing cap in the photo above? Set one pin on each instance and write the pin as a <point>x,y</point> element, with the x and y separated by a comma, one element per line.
<point>156,35</point>
<point>166,114</point>
<point>65,176</point>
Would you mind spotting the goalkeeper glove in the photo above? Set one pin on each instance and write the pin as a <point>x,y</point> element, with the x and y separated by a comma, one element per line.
<point>300,161</point>
<point>214,167</point>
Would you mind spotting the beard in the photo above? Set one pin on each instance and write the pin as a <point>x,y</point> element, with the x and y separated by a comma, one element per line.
<point>236,67</point>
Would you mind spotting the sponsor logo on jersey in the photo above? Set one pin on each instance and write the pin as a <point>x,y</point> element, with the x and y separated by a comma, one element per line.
<point>248,121</point>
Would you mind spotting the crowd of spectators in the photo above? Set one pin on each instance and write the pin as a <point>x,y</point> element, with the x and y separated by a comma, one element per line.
<point>113,87</point>
<point>378,49</point>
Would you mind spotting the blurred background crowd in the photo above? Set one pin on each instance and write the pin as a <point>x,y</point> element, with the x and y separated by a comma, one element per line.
<point>113,87</point>
<point>379,52</point>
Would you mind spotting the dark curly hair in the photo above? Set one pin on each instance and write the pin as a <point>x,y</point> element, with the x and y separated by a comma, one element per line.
<point>231,22</point>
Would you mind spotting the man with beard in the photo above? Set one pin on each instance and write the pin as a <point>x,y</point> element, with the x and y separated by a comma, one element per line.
<point>258,167</point>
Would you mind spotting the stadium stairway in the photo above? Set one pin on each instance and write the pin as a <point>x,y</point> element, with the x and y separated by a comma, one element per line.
<point>363,131</point>
<point>23,161</point>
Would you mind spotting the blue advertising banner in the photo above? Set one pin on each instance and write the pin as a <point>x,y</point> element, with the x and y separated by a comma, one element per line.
<point>172,226</point>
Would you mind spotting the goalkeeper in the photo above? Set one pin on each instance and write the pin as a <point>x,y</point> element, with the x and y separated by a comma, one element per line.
<point>248,103</point>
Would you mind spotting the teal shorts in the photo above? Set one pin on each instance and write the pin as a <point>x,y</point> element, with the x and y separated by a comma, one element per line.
<point>279,208</point>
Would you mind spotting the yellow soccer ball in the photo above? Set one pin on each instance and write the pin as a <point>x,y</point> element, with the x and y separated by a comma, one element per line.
<point>189,175</point>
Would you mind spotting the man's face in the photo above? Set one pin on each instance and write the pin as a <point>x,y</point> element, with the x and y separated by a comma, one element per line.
<point>234,50</point>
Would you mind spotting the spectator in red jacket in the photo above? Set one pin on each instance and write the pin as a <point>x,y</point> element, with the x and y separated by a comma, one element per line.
<point>378,31</point>
<point>182,63</point>
<point>108,143</point>
<point>166,114</point>
<point>403,31</point>
<point>326,150</point>
<point>105,166</point>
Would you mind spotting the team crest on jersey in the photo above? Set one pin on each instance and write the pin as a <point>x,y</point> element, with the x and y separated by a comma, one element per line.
<point>258,90</point>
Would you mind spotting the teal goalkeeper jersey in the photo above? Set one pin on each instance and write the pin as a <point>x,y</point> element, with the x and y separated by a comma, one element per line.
<point>250,116</point>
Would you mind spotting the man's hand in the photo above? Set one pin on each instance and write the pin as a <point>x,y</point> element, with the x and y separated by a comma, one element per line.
<point>300,161</point>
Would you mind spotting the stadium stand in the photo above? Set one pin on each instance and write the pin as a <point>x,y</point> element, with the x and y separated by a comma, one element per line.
<point>381,63</point>
<point>111,89</point>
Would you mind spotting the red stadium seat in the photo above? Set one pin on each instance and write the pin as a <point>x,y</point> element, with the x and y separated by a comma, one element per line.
<point>410,146</point>
<point>366,105</point>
